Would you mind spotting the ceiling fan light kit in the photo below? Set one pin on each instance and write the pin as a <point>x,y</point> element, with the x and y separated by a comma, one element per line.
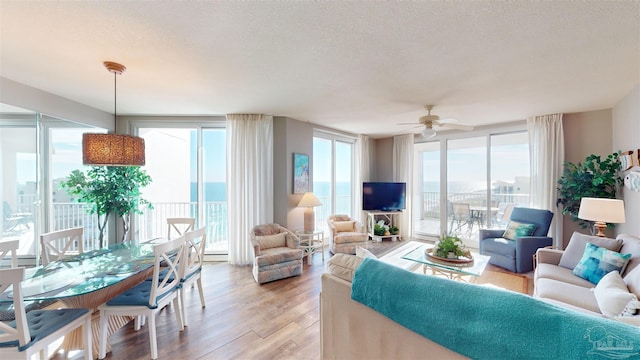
<point>432,123</point>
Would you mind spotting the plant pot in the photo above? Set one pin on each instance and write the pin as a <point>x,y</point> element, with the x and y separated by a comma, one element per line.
<point>386,233</point>
<point>451,255</point>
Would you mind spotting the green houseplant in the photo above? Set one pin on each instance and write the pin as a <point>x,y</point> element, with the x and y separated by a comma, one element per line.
<point>109,189</point>
<point>595,177</point>
<point>449,246</point>
<point>379,229</point>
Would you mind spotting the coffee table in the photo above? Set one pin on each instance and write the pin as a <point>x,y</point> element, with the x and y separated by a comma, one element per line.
<point>415,252</point>
<point>411,255</point>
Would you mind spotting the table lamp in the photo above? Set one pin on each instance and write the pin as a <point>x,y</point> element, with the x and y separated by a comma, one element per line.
<point>309,201</point>
<point>601,211</point>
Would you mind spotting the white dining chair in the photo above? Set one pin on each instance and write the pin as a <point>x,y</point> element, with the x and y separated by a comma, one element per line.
<point>180,225</point>
<point>10,247</point>
<point>149,297</point>
<point>191,273</point>
<point>59,244</point>
<point>32,333</point>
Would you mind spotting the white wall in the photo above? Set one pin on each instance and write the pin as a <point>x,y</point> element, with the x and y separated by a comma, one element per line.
<point>626,136</point>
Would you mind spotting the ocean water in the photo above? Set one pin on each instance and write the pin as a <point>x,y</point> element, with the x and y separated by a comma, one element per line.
<point>213,191</point>
<point>217,191</point>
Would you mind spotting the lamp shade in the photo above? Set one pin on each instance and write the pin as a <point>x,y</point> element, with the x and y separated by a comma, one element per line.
<point>112,150</point>
<point>309,200</point>
<point>602,210</point>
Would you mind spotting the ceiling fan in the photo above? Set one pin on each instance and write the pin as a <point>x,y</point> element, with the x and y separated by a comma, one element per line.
<point>433,123</point>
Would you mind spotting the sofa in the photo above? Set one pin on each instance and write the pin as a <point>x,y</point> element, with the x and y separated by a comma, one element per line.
<point>556,283</point>
<point>351,329</point>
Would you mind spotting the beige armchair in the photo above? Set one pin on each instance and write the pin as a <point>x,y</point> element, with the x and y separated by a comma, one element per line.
<point>277,253</point>
<point>346,234</point>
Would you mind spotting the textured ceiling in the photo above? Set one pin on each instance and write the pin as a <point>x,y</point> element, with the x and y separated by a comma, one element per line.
<point>356,66</point>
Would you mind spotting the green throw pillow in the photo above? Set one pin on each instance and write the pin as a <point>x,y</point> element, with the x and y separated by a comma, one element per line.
<point>517,229</point>
<point>597,262</point>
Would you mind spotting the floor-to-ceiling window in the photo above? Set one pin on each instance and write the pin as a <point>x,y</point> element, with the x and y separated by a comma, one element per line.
<point>426,211</point>
<point>187,165</point>
<point>509,174</point>
<point>63,154</point>
<point>333,176</point>
<point>466,186</point>
<point>19,177</point>
<point>37,154</point>
<point>467,183</point>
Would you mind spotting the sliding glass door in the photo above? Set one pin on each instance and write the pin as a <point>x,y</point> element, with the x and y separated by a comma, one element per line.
<point>469,183</point>
<point>187,166</point>
<point>333,177</point>
<point>19,178</point>
<point>510,175</point>
<point>427,189</point>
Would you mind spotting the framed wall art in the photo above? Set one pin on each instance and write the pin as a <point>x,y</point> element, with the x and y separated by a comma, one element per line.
<point>300,173</point>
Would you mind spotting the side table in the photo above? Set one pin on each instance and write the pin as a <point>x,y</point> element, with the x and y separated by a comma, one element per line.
<point>310,242</point>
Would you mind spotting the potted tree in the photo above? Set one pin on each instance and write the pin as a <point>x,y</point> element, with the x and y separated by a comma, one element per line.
<point>595,177</point>
<point>109,189</point>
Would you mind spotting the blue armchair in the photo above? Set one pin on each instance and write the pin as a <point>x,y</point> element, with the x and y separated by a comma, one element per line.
<point>517,255</point>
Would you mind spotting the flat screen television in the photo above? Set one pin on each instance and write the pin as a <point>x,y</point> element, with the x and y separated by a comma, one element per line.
<point>383,196</point>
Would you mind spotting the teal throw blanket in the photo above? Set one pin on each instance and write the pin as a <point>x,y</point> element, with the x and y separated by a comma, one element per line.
<point>487,323</point>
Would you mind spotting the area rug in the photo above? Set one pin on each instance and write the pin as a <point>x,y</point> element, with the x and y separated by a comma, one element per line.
<point>502,280</point>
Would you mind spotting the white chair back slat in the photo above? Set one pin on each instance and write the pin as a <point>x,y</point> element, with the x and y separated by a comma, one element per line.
<point>57,245</point>
<point>168,256</point>
<point>195,244</point>
<point>10,246</point>
<point>180,225</point>
<point>13,277</point>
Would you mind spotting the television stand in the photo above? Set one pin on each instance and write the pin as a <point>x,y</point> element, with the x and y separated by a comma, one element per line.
<point>390,218</point>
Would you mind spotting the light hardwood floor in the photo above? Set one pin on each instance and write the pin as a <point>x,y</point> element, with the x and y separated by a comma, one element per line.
<point>242,320</point>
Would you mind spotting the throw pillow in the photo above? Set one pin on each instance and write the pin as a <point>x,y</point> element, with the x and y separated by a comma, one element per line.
<point>597,261</point>
<point>517,229</point>
<point>344,225</point>
<point>574,251</point>
<point>632,280</point>
<point>271,241</point>
<point>364,253</point>
<point>343,266</point>
<point>613,297</point>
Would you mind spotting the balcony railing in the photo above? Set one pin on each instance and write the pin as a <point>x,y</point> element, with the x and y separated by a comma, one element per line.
<point>151,224</point>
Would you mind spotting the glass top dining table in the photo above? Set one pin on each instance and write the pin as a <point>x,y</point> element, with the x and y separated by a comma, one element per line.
<point>88,280</point>
<point>86,273</point>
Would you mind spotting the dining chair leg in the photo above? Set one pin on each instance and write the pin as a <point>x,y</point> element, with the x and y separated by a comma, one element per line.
<point>179,310</point>
<point>138,322</point>
<point>87,341</point>
<point>182,308</point>
<point>201,292</point>
<point>104,320</point>
<point>152,336</point>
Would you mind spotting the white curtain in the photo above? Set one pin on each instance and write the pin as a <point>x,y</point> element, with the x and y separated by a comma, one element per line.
<point>403,172</point>
<point>249,180</point>
<point>546,149</point>
<point>362,175</point>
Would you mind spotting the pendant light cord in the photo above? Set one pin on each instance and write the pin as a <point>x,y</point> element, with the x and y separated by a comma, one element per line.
<point>115,100</point>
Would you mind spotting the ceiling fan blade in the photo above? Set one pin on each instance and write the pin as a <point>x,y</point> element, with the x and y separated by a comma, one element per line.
<point>455,127</point>
<point>447,121</point>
